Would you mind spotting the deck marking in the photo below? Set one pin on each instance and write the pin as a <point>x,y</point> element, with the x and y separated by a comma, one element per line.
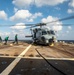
<point>48,58</point>
<point>14,63</point>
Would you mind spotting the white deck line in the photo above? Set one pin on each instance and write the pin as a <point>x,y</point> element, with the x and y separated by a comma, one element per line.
<point>48,58</point>
<point>14,63</point>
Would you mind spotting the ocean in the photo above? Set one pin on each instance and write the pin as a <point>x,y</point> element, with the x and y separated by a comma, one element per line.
<point>67,41</point>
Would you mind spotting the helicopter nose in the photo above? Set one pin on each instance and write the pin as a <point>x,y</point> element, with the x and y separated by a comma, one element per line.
<point>43,39</point>
<point>51,40</point>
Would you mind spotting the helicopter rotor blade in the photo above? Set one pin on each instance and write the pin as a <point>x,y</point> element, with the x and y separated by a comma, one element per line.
<point>16,25</point>
<point>63,19</point>
<point>67,18</point>
<point>41,24</point>
<point>36,25</point>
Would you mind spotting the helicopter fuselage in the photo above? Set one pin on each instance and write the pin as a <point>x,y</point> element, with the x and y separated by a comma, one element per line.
<point>43,36</point>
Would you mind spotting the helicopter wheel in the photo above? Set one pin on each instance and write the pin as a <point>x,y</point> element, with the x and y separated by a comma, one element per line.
<point>51,43</point>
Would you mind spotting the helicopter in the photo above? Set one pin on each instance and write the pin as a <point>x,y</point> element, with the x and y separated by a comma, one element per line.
<point>45,35</point>
<point>42,35</point>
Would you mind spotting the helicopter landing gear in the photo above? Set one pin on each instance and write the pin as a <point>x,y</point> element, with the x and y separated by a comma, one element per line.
<point>51,42</point>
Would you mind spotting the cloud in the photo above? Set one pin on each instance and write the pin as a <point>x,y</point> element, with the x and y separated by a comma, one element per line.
<point>25,15</point>
<point>70,11</point>
<point>22,3</point>
<point>11,34</point>
<point>38,3</point>
<point>69,27</point>
<point>7,33</point>
<point>36,15</point>
<point>71,3</point>
<point>15,10</point>
<point>21,34</point>
<point>3,15</point>
<point>71,7</point>
<point>57,8</point>
<point>20,15</point>
<point>67,32</point>
<point>4,34</point>
<point>18,26</point>
<point>57,26</point>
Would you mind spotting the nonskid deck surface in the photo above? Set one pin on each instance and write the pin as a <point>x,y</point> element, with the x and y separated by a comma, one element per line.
<point>27,61</point>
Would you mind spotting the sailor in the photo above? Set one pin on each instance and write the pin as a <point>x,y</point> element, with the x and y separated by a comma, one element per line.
<point>6,39</point>
<point>16,39</point>
<point>0,39</point>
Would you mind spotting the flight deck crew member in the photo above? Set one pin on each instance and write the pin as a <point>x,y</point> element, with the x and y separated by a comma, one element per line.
<point>0,39</point>
<point>6,39</point>
<point>16,39</point>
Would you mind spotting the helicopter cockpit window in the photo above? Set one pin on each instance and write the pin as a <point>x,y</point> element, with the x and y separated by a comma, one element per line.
<point>51,32</point>
<point>48,32</point>
<point>44,32</point>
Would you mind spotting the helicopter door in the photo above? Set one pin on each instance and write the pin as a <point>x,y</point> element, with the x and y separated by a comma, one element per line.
<point>38,35</point>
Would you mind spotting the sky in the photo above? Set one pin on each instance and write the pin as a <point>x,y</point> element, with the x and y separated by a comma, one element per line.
<point>22,12</point>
